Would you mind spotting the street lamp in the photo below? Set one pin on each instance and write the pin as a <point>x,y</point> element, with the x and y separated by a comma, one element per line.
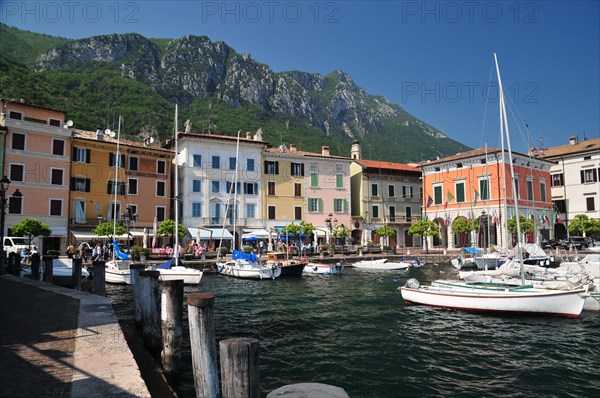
<point>331,224</point>
<point>4,183</point>
<point>484,228</point>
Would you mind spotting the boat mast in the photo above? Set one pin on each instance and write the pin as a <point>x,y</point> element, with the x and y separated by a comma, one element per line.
<point>504,123</point>
<point>116,187</point>
<point>234,187</point>
<point>176,248</point>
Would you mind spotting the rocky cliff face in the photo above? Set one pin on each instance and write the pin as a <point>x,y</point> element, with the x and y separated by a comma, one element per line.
<point>193,67</point>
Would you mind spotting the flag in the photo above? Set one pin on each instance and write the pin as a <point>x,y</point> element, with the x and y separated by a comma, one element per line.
<point>449,196</point>
<point>476,195</point>
<point>429,201</point>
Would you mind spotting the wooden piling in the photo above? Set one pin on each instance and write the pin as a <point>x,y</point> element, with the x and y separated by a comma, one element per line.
<point>99,277</point>
<point>203,345</point>
<point>150,302</point>
<point>172,324</point>
<point>135,269</point>
<point>35,267</point>
<point>240,377</point>
<point>48,277</point>
<point>77,263</point>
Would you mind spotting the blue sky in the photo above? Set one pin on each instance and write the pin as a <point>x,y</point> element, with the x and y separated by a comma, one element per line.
<point>433,58</point>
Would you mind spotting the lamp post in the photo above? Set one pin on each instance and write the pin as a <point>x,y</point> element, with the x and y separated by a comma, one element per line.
<point>331,224</point>
<point>4,183</point>
<point>484,228</point>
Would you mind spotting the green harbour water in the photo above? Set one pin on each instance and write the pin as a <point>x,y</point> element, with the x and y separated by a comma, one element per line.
<point>354,331</point>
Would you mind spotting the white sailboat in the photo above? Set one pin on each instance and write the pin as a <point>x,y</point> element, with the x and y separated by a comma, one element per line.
<point>243,265</point>
<point>173,269</point>
<point>117,269</point>
<point>491,297</point>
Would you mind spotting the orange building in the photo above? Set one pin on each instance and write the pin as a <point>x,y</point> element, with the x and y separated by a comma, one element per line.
<point>472,185</point>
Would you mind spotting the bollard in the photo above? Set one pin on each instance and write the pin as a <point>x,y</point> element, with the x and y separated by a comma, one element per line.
<point>35,267</point>
<point>48,277</point>
<point>171,315</point>
<point>202,343</point>
<point>150,303</point>
<point>135,269</point>
<point>99,277</point>
<point>240,377</point>
<point>77,262</point>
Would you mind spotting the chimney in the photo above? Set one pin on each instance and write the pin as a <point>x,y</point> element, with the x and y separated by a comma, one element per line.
<point>100,135</point>
<point>293,148</point>
<point>573,140</point>
<point>325,150</point>
<point>248,135</point>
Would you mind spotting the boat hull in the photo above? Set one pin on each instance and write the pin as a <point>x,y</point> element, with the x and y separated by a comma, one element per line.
<point>508,300</point>
<point>248,271</point>
<point>323,269</point>
<point>381,265</point>
<point>118,272</point>
<point>189,276</point>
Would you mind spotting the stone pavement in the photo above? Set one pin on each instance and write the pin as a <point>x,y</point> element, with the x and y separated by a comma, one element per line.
<point>58,342</point>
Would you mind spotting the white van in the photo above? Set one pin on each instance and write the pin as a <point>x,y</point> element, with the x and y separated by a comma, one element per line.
<point>14,244</point>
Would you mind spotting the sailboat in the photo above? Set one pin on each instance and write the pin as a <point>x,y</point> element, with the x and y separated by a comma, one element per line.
<point>494,297</point>
<point>117,269</point>
<point>243,265</point>
<point>173,269</point>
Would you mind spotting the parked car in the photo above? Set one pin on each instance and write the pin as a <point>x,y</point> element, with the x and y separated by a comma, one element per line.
<point>577,242</point>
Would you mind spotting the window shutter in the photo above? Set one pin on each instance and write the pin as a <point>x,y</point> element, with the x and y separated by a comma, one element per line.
<point>88,155</point>
<point>108,186</point>
<point>266,168</point>
<point>276,168</point>
<point>245,189</point>
<point>256,188</point>
<point>302,169</point>
<point>320,205</point>
<point>74,154</point>
<point>87,185</point>
<point>72,183</point>
<point>595,175</point>
<point>582,174</point>
<point>345,205</point>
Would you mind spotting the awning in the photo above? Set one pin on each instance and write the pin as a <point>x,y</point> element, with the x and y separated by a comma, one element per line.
<point>89,235</point>
<point>258,233</point>
<point>320,232</point>
<point>204,233</point>
<point>58,230</point>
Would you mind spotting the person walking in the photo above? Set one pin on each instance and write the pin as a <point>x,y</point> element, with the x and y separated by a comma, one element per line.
<point>70,250</point>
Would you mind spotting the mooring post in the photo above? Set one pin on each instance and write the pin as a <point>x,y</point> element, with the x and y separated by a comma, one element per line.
<point>203,345</point>
<point>99,277</point>
<point>150,302</point>
<point>171,316</point>
<point>135,269</point>
<point>35,267</point>
<point>240,377</point>
<point>77,262</point>
<point>48,269</point>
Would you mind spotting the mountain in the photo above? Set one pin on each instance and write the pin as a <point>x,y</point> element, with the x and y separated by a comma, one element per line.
<point>221,91</point>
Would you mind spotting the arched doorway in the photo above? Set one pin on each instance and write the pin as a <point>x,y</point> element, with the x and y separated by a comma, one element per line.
<point>408,239</point>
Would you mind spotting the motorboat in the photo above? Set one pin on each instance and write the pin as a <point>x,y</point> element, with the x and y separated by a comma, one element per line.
<point>381,264</point>
<point>170,272</point>
<point>288,267</point>
<point>245,265</point>
<point>323,268</point>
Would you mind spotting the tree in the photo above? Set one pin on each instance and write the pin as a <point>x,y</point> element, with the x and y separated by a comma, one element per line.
<point>527,225</point>
<point>582,224</point>
<point>425,229</point>
<point>31,228</point>
<point>341,232</point>
<point>167,228</point>
<point>464,226</point>
<point>107,229</point>
<point>387,232</point>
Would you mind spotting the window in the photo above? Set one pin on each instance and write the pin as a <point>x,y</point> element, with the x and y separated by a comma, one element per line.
<point>591,206</point>
<point>216,162</point>
<point>484,189</point>
<point>230,185</point>
<point>297,213</point>
<point>420,192</point>
<point>214,186</point>
<point>55,207</point>
<point>161,167</point>
<point>17,172</point>
<point>15,115</point>
<point>133,163</point>
<point>589,175</point>
<point>54,122</point>
<point>111,188</point>
<point>375,211</point>
<point>271,167</point>
<point>271,212</point>
<point>298,169</point>
<point>460,192</point>
<point>408,213</point>
<point>112,158</point>
<point>437,194</point>
<point>132,210</point>
<point>516,180</point>
<point>56,176</point>
<point>133,186</point>
<point>232,163</point>
<point>160,213</point>
<point>160,189</point>
<point>81,155</point>
<point>196,161</point>
<point>314,180</point>
<point>407,191</point>
<point>251,188</point>
<point>339,181</point>
<point>215,213</point>
<point>314,166</point>
<point>374,190</point>
<point>391,191</point>
<point>18,141</point>
<point>15,205</point>
<point>314,205</point>
<point>79,211</point>
<point>557,180</point>
<point>250,211</point>
<point>392,211</point>
<point>80,184</point>
<point>250,164</point>
<point>196,209</point>
<point>543,191</point>
<point>529,189</point>
<point>271,188</point>
<point>338,205</point>
<point>58,147</point>
<point>196,185</point>
<point>297,189</point>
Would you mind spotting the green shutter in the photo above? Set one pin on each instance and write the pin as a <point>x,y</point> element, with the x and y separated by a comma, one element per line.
<point>320,205</point>
<point>345,206</point>
<point>339,181</point>
<point>314,180</point>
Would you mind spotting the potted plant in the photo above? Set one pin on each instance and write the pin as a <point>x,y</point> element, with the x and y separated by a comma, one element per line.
<point>359,249</point>
<point>144,252</point>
